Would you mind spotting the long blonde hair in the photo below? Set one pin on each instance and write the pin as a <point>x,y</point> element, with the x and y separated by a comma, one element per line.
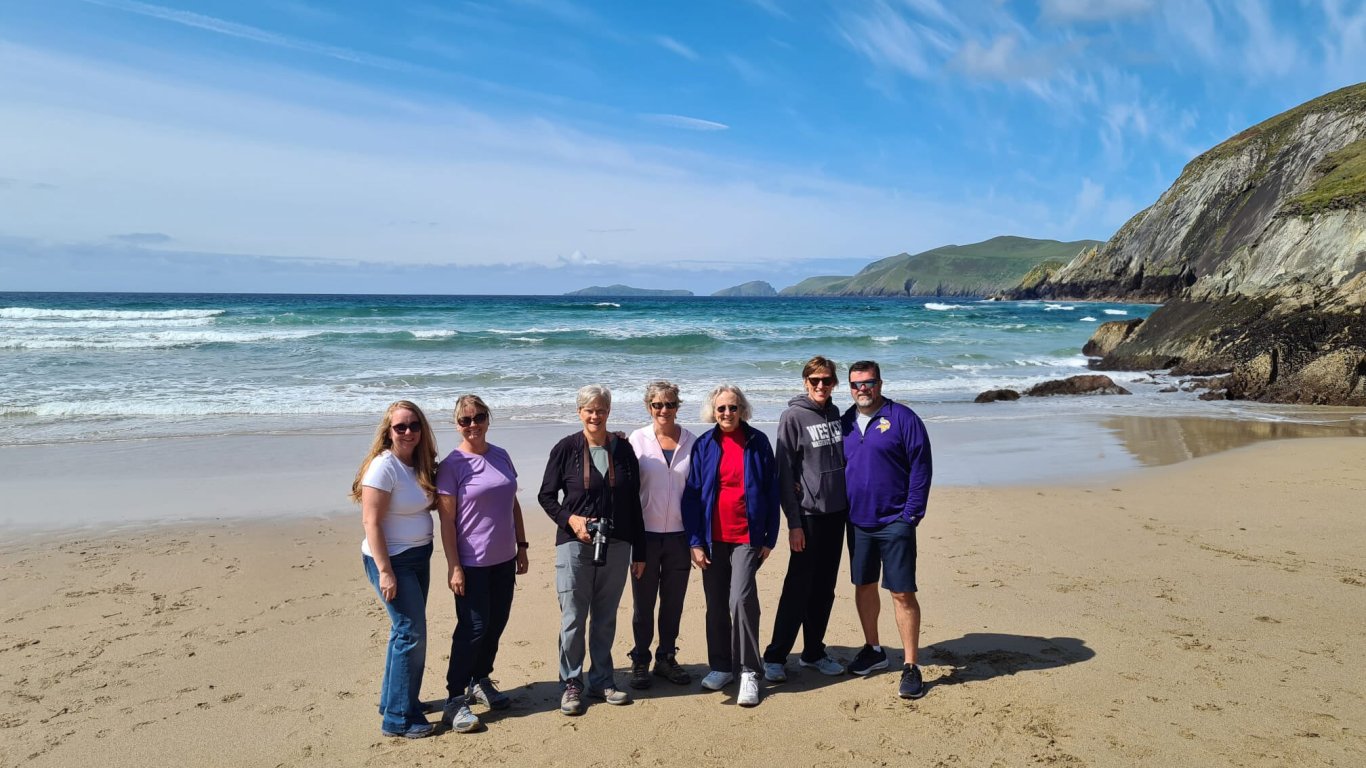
<point>424,455</point>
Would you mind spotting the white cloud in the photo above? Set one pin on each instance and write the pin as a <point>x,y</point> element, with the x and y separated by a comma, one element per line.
<point>1268,51</point>
<point>1066,11</point>
<point>686,123</point>
<point>890,40</point>
<point>670,44</point>
<point>577,259</point>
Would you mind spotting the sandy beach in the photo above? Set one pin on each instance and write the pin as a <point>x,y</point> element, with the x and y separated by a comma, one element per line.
<point>1201,613</point>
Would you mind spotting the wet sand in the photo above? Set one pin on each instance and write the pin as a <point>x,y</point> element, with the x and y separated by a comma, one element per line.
<point>1202,613</point>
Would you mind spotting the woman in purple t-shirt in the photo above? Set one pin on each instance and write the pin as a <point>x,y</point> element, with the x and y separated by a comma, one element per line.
<point>485,544</point>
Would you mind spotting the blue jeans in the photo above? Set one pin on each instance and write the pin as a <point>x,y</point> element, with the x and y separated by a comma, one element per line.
<point>400,703</point>
<point>481,616</point>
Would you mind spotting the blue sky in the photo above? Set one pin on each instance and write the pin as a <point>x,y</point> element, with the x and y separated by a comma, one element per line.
<point>537,146</point>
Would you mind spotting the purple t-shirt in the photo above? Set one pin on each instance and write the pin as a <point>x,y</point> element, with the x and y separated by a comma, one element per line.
<point>485,488</point>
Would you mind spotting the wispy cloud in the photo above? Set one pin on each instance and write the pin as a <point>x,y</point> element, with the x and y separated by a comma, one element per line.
<point>890,40</point>
<point>686,123</point>
<point>771,7</point>
<point>751,74</point>
<point>577,259</point>
<point>670,44</point>
<point>1067,11</point>
<point>143,238</point>
<point>254,34</point>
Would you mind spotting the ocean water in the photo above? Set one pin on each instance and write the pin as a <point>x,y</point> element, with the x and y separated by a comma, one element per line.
<point>111,366</point>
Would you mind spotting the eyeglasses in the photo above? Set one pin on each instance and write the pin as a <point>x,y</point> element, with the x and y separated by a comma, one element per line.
<point>478,418</point>
<point>865,384</point>
<point>669,406</point>
<point>727,408</point>
<point>822,381</point>
<point>403,429</point>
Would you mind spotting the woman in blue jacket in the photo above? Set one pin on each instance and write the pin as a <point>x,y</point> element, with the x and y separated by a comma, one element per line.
<point>730,512</point>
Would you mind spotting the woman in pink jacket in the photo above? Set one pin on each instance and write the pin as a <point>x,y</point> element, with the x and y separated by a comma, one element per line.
<point>662,447</point>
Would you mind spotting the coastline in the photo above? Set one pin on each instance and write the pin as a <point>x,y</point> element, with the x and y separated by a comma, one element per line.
<point>1203,612</point>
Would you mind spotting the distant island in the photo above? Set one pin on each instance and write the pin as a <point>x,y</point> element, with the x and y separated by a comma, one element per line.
<point>754,288</point>
<point>626,290</point>
<point>977,269</point>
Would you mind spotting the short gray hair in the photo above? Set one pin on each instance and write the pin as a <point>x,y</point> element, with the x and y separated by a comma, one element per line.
<point>709,406</point>
<point>666,388</point>
<point>593,392</point>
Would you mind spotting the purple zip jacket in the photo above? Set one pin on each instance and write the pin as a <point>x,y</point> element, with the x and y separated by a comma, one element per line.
<point>887,472</point>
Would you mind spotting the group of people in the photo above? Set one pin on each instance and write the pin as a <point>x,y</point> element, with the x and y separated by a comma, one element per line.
<point>653,504</point>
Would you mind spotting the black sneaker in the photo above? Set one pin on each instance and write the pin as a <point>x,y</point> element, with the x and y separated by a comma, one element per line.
<point>640,675</point>
<point>868,660</point>
<point>912,687</point>
<point>667,667</point>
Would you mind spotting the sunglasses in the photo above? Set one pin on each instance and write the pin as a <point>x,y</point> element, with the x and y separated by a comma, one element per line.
<point>865,384</point>
<point>669,406</point>
<point>403,429</point>
<point>478,418</point>
<point>727,408</point>
<point>822,381</point>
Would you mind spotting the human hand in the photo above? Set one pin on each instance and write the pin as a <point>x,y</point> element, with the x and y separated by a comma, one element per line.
<point>796,539</point>
<point>456,577</point>
<point>388,586</point>
<point>637,569</point>
<point>579,524</point>
<point>522,562</point>
<point>699,558</point>
<point>764,552</point>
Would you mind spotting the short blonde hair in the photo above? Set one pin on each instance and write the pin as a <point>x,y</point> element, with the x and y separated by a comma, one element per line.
<point>591,392</point>
<point>709,405</point>
<point>661,387</point>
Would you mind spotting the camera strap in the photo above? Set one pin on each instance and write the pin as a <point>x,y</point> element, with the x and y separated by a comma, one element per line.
<point>588,463</point>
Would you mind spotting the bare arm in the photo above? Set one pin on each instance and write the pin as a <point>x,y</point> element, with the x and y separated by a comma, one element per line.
<point>374,505</point>
<point>450,542</point>
<point>522,562</point>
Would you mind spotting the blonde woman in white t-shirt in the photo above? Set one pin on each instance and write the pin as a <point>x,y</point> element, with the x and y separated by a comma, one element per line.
<point>396,488</point>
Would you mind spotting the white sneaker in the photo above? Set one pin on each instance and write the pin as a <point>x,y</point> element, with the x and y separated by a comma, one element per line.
<point>749,689</point>
<point>825,665</point>
<point>774,673</point>
<point>715,681</point>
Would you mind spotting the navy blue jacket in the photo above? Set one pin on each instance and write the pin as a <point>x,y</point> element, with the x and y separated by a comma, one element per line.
<point>703,486</point>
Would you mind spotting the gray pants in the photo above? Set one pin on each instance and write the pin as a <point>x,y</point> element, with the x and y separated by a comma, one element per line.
<point>589,596</point>
<point>731,587</point>
<point>668,564</point>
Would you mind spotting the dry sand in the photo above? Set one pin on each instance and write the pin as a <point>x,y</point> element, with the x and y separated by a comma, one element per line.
<point>1207,613</point>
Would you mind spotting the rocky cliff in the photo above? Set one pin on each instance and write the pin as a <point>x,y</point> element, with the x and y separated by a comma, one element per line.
<point>1258,253</point>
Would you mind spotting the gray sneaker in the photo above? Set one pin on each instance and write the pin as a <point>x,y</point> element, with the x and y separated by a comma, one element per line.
<point>485,692</point>
<point>571,701</point>
<point>825,665</point>
<point>775,672</point>
<point>612,696</point>
<point>458,717</point>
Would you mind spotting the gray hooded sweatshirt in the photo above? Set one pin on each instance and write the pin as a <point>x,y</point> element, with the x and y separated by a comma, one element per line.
<point>810,456</point>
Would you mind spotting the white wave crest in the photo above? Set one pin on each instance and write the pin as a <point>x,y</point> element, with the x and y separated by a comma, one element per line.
<point>937,307</point>
<point>1052,307</point>
<point>1087,320</point>
<point>606,304</point>
<point>433,334</point>
<point>1115,312</point>
<point>31,313</point>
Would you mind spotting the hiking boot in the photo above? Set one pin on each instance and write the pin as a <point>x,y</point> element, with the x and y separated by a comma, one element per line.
<point>912,687</point>
<point>485,692</point>
<point>414,731</point>
<point>571,701</point>
<point>749,689</point>
<point>612,696</point>
<point>640,675</point>
<point>825,665</point>
<point>868,660</point>
<point>667,668</point>
<point>715,681</point>
<point>458,717</point>
<point>775,672</point>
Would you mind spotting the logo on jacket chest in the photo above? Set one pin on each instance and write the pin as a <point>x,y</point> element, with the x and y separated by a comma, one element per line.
<point>824,434</point>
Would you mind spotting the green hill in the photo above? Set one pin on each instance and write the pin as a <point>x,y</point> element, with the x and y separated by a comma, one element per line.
<point>752,289</point>
<point>977,269</point>
<point>618,289</point>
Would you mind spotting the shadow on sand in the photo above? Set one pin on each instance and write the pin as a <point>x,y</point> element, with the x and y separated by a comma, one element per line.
<point>984,655</point>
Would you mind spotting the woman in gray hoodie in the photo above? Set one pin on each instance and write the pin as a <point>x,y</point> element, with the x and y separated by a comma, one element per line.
<point>810,456</point>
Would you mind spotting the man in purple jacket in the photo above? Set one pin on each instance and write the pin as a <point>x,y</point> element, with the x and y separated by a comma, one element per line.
<point>887,476</point>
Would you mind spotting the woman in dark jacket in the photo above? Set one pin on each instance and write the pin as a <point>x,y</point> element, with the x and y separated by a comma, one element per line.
<point>730,511</point>
<point>592,480</point>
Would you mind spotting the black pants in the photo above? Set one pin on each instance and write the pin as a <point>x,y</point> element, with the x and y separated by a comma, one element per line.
<point>809,590</point>
<point>668,564</point>
<point>481,616</point>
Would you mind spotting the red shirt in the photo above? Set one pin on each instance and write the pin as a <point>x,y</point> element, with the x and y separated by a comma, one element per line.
<point>731,523</point>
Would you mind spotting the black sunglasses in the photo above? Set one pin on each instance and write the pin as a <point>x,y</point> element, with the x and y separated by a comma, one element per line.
<point>865,384</point>
<point>669,406</point>
<point>819,381</point>
<point>403,429</point>
<point>478,418</point>
<point>727,408</point>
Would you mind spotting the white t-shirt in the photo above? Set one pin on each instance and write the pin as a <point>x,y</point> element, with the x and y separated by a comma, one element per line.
<point>408,523</point>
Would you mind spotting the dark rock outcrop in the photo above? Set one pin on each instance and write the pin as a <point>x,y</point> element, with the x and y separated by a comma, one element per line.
<point>1258,252</point>
<point>996,396</point>
<point>1108,336</point>
<point>1086,384</point>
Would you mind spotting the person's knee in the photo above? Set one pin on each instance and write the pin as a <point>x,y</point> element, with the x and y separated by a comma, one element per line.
<point>906,599</point>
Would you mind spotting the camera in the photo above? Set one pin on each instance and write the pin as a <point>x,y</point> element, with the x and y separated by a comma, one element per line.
<point>601,531</point>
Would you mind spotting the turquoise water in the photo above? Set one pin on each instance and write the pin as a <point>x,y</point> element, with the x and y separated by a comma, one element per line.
<point>92,366</point>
